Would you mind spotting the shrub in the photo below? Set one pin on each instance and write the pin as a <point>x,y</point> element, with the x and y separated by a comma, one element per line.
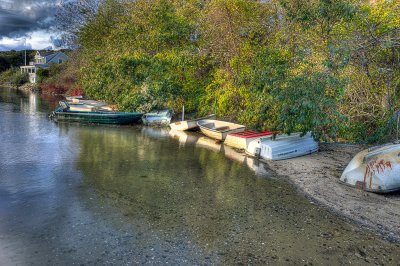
<point>51,88</point>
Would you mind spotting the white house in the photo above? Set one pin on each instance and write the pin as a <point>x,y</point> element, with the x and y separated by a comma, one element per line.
<point>42,60</point>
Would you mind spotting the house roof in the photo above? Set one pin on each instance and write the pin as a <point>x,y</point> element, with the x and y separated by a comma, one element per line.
<point>45,53</point>
<point>50,56</point>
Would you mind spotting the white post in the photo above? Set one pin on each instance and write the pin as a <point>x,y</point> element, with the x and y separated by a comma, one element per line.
<point>25,51</point>
<point>183,112</point>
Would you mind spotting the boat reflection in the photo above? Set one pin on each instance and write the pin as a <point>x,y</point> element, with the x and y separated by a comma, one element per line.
<point>184,137</point>
<point>258,167</point>
<point>232,154</point>
<point>156,132</point>
<point>209,144</point>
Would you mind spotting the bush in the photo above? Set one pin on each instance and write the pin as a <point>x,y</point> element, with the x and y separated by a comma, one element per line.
<point>20,78</point>
<point>14,77</point>
<point>51,88</point>
<point>41,75</point>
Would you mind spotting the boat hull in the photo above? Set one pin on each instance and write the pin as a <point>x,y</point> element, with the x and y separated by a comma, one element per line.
<point>282,147</point>
<point>242,139</point>
<point>161,121</point>
<point>188,124</point>
<point>375,170</point>
<point>218,130</point>
<point>160,118</point>
<point>183,125</point>
<point>97,117</point>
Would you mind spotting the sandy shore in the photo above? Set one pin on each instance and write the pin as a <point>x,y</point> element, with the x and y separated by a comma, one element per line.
<point>318,176</point>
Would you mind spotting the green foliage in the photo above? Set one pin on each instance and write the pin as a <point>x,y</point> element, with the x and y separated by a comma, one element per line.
<point>14,77</point>
<point>310,101</point>
<point>11,59</point>
<point>41,74</point>
<point>325,66</point>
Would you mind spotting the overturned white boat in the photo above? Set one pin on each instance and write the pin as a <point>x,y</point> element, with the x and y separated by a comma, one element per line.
<point>376,169</point>
<point>282,147</point>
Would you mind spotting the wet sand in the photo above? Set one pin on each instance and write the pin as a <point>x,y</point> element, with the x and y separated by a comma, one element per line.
<point>317,175</point>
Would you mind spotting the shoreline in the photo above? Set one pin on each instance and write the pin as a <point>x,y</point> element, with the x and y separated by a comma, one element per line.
<point>317,177</point>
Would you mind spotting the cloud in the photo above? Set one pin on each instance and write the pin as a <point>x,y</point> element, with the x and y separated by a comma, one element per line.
<point>17,18</point>
<point>7,44</point>
<point>37,40</point>
<point>30,20</point>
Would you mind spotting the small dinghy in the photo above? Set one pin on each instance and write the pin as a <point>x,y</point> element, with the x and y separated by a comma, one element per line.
<point>282,147</point>
<point>241,140</point>
<point>376,169</point>
<point>77,103</point>
<point>217,129</point>
<point>189,124</point>
<point>64,113</point>
<point>160,118</point>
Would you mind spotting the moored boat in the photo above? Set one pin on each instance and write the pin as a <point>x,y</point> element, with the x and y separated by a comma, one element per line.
<point>189,124</point>
<point>161,117</point>
<point>82,107</point>
<point>80,104</point>
<point>241,140</point>
<point>63,113</point>
<point>282,147</point>
<point>376,169</point>
<point>217,129</point>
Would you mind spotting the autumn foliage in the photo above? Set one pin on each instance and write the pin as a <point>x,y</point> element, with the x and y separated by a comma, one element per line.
<point>331,67</point>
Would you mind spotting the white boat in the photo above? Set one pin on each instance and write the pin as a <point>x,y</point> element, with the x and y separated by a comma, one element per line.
<point>82,107</point>
<point>282,147</point>
<point>217,129</point>
<point>189,124</point>
<point>161,117</point>
<point>77,103</point>
<point>241,140</point>
<point>376,169</point>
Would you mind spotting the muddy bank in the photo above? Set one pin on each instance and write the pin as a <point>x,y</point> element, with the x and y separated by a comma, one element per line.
<point>317,175</point>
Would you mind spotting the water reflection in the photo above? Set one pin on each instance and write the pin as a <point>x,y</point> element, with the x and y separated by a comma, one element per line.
<point>158,178</point>
<point>84,194</point>
<point>184,138</point>
<point>193,194</point>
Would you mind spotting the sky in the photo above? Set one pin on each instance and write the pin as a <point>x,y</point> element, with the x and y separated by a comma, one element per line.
<point>27,23</point>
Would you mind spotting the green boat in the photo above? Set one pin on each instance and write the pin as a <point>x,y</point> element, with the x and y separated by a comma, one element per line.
<point>62,113</point>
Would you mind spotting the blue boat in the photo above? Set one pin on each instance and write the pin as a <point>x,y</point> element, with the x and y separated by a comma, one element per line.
<point>62,113</point>
<point>161,117</point>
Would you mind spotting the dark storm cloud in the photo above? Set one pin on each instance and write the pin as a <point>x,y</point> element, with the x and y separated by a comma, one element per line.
<point>18,18</point>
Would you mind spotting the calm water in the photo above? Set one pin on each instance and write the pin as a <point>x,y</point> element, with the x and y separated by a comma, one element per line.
<point>76,194</point>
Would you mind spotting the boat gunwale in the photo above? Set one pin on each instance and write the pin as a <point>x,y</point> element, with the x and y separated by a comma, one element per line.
<point>221,131</point>
<point>194,120</point>
<point>370,190</point>
<point>98,113</point>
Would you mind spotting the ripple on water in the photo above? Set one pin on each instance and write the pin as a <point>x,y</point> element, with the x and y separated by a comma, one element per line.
<point>71,193</point>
